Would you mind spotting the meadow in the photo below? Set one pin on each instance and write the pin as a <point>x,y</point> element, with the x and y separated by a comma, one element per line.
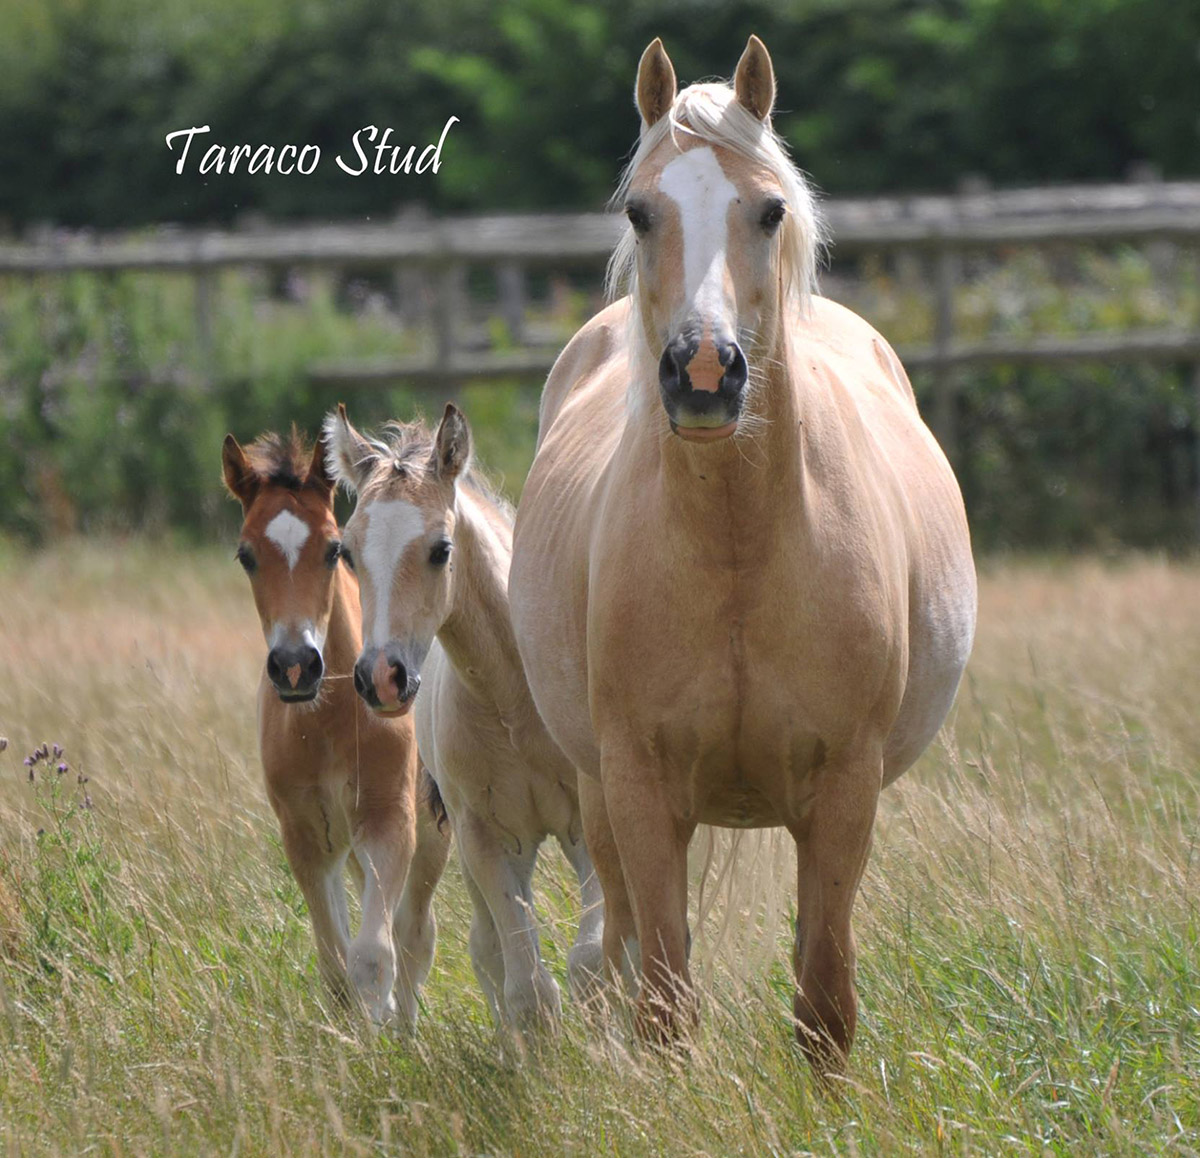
<point>1028,932</point>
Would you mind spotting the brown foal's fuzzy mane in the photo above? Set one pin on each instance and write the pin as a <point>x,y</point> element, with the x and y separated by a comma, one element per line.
<point>281,459</point>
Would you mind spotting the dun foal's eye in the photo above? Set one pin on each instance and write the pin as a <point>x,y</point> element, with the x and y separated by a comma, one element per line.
<point>347,558</point>
<point>773,215</point>
<point>246,557</point>
<point>440,553</point>
<point>638,218</point>
<point>332,553</point>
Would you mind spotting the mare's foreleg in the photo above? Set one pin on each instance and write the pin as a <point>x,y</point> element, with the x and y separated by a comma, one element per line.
<point>832,845</point>
<point>652,843</point>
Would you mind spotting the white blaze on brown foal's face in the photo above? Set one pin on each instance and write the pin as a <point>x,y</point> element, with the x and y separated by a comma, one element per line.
<point>289,546</point>
<point>399,542</point>
<point>707,236</point>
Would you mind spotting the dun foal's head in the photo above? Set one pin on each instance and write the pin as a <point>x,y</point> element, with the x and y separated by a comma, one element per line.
<point>400,541</point>
<point>289,546</point>
<point>722,233</point>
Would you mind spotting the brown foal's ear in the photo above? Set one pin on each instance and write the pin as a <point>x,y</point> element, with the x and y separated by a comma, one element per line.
<point>240,479</point>
<point>754,80</point>
<point>452,446</point>
<point>655,91</point>
<point>348,457</point>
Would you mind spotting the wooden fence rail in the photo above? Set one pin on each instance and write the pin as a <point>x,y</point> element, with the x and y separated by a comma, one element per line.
<point>431,257</point>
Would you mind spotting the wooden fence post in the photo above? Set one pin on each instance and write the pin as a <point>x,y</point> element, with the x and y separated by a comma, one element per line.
<point>203,296</point>
<point>945,425</point>
<point>510,282</point>
<point>450,303</point>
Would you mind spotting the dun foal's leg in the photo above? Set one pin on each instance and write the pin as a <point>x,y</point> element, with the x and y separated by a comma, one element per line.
<point>415,926</point>
<point>531,995</point>
<point>585,962</point>
<point>832,848</point>
<point>317,868</point>
<point>487,956</point>
<point>653,846</point>
<point>619,943</point>
<point>383,847</point>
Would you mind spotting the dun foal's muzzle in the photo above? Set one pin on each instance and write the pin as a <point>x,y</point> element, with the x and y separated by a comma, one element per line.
<point>296,671</point>
<point>702,386</point>
<point>383,681</point>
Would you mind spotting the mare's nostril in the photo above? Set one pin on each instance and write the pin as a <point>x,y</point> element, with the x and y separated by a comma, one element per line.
<point>668,370</point>
<point>736,370</point>
<point>314,668</point>
<point>274,667</point>
<point>362,681</point>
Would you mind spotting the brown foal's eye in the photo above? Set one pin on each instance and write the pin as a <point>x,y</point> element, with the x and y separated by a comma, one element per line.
<point>246,557</point>
<point>346,557</point>
<point>332,554</point>
<point>773,216</point>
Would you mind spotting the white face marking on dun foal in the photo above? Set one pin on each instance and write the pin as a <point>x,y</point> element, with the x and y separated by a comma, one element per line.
<point>289,534</point>
<point>697,184</point>
<point>391,525</point>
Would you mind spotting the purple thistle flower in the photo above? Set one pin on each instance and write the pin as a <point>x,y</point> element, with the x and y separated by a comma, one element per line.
<point>61,769</point>
<point>30,761</point>
<point>57,751</point>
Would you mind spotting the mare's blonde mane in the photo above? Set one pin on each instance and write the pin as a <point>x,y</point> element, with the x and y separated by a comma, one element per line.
<point>712,113</point>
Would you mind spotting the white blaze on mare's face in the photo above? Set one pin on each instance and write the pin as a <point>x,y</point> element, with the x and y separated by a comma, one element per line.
<point>696,183</point>
<point>289,534</point>
<point>391,525</point>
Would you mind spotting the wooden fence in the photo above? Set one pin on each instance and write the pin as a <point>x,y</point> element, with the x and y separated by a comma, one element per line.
<point>431,258</point>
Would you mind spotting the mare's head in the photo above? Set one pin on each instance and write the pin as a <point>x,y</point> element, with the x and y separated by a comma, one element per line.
<point>289,546</point>
<point>400,541</point>
<point>722,238</point>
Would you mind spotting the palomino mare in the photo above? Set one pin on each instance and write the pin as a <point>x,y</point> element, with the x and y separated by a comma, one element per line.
<point>742,581</point>
<point>431,545</point>
<point>342,782</point>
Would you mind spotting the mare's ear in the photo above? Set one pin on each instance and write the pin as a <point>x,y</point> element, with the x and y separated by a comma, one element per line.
<point>240,478</point>
<point>350,457</point>
<point>754,80</point>
<point>318,475</point>
<point>655,91</point>
<point>452,445</point>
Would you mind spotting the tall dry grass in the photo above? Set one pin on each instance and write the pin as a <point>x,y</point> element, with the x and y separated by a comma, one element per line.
<point>1027,930</point>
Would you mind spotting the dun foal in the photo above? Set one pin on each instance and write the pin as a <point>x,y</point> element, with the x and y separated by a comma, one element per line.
<point>342,780</point>
<point>431,546</point>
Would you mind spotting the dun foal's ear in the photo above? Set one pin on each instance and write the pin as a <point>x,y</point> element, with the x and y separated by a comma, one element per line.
<point>240,478</point>
<point>349,458</point>
<point>452,446</point>
<point>318,470</point>
<point>655,92</point>
<point>754,81</point>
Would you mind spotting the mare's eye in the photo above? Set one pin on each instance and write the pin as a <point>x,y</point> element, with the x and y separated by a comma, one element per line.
<point>773,215</point>
<point>332,553</point>
<point>638,218</point>
<point>246,557</point>
<point>347,558</point>
<point>440,553</point>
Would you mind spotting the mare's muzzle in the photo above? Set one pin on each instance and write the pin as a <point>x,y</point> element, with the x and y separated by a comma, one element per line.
<point>296,671</point>
<point>703,385</point>
<point>384,682</point>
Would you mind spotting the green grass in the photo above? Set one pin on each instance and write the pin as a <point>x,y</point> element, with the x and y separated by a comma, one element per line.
<point>1028,932</point>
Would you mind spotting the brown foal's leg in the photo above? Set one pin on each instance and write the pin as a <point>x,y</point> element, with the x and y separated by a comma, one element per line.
<point>832,847</point>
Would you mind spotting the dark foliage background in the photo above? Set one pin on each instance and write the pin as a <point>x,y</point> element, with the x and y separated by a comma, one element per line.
<point>877,95</point>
